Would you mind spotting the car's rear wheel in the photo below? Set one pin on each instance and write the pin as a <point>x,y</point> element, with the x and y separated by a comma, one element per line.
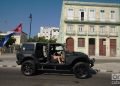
<point>81,70</point>
<point>28,68</point>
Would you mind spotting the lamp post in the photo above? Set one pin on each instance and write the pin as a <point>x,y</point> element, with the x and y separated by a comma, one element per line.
<point>30,24</point>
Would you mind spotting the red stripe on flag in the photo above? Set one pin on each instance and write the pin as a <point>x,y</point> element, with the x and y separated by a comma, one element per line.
<point>18,28</point>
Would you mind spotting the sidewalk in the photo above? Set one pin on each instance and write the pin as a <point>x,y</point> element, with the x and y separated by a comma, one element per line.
<point>112,67</point>
<point>8,55</point>
<point>104,57</point>
<point>108,67</point>
<point>9,60</point>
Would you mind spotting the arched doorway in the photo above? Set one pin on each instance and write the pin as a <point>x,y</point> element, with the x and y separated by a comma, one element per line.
<point>70,44</point>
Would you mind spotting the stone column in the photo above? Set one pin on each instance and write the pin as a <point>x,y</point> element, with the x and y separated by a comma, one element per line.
<point>108,47</point>
<point>97,46</point>
<point>87,44</point>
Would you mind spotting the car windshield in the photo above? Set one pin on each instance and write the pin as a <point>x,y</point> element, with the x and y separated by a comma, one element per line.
<point>59,48</point>
<point>28,47</point>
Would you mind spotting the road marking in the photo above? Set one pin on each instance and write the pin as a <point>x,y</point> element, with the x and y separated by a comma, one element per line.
<point>10,66</point>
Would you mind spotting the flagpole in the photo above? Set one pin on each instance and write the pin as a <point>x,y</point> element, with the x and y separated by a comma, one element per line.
<point>30,25</point>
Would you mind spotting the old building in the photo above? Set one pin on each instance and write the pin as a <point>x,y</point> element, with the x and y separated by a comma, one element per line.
<point>92,28</point>
<point>20,38</point>
<point>49,32</point>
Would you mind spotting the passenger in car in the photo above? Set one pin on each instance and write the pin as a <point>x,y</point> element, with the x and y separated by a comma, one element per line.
<point>58,57</point>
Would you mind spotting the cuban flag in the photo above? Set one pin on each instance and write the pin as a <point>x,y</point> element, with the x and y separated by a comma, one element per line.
<point>7,37</point>
<point>18,29</point>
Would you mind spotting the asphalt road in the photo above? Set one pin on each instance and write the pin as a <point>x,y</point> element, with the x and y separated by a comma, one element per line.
<point>13,77</point>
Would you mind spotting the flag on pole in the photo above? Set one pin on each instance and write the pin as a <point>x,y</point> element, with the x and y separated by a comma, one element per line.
<point>18,29</point>
<point>7,37</point>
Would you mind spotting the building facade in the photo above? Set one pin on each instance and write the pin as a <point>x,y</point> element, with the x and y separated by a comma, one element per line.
<point>20,38</point>
<point>49,32</point>
<point>92,28</point>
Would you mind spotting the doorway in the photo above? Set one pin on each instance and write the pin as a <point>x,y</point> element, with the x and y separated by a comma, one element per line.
<point>92,46</point>
<point>112,47</point>
<point>102,47</point>
<point>70,44</point>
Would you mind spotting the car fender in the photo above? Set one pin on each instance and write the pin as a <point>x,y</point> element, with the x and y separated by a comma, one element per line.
<point>80,59</point>
<point>29,58</point>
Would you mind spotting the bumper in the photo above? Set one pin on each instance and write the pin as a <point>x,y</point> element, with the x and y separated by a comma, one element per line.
<point>92,61</point>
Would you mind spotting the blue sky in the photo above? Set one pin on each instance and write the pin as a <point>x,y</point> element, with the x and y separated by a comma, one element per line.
<point>44,13</point>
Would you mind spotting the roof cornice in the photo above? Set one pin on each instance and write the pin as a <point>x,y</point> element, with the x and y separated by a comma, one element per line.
<point>91,4</point>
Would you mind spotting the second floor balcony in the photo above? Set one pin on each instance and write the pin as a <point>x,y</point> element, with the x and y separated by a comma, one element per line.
<point>92,33</point>
<point>72,32</point>
<point>82,33</point>
<point>115,34</point>
<point>103,34</point>
<point>88,21</point>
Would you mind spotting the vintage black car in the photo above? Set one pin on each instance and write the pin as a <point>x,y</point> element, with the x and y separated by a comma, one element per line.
<point>33,56</point>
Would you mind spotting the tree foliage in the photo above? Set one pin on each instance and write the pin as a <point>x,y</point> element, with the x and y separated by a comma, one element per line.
<point>52,40</point>
<point>9,42</point>
<point>41,39</point>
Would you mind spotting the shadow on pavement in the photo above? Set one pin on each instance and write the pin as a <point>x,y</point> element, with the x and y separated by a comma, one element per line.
<point>1,60</point>
<point>64,73</point>
<point>93,71</point>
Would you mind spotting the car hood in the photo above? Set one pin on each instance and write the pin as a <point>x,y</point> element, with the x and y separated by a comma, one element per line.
<point>77,54</point>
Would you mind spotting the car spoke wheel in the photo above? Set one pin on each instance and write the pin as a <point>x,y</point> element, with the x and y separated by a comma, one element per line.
<point>81,70</point>
<point>28,68</point>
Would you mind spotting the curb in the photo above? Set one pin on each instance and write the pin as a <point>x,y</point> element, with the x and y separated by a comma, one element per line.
<point>10,66</point>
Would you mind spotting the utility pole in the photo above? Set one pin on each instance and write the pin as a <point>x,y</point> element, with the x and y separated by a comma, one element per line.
<point>30,25</point>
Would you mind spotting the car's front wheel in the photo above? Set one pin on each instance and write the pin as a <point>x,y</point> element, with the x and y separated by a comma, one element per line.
<point>28,68</point>
<point>81,70</point>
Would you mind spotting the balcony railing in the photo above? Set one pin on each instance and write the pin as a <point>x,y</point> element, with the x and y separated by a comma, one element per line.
<point>93,21</point>
<point>70,33</point>
<point>92,33</point>
<point>113,34</point>
<point>103,34</point>
<point>82,33</point>
<point>85,33</point>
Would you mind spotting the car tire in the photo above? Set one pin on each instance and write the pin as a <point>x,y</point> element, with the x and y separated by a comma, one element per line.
<point>28,68</point>
<point>81,70</point>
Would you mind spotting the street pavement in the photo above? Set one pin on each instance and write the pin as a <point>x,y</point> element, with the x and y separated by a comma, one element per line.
<point>102,64</point>
<point>13,77</point>
<point>8,60</point>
